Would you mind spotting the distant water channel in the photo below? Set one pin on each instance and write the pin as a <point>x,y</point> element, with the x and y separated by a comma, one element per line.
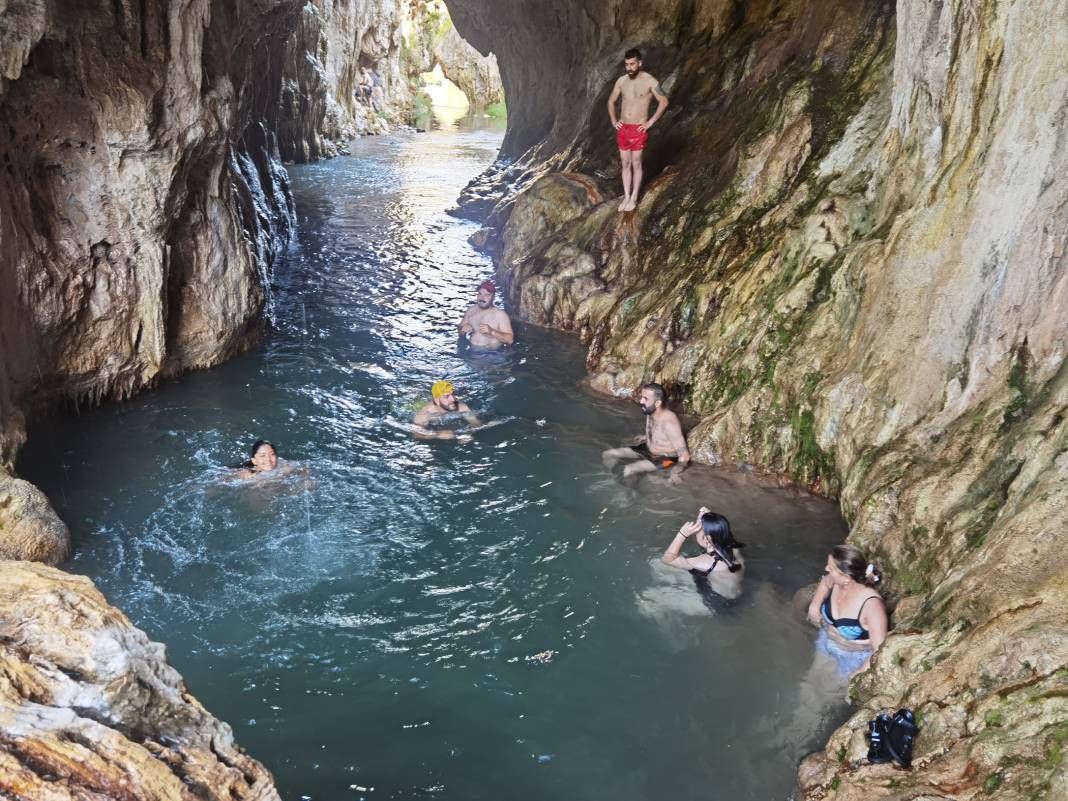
<point>436,620</point>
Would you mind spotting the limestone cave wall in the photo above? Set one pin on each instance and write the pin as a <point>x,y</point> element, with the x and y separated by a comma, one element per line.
<point>142,202</point>
<point>850,261</point>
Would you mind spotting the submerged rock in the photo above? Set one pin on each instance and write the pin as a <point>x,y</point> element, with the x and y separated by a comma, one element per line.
<point>89,707</point>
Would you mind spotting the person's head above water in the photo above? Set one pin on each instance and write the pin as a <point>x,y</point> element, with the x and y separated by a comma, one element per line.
<point>846,564</point>
<point>444,396</point>
<point>651,397</point>
<point>716,538</point>
<point>264,457</point>
<point>632,62</point>
<point>486,291</point>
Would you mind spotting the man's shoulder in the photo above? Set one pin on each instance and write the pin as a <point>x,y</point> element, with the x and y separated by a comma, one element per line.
<point>649,80</point>
<point>668,417</point>
<point>500,313</point>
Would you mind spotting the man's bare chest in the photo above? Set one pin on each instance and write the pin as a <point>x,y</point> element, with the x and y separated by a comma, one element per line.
<point>487,316</point>
<point>633,94</point>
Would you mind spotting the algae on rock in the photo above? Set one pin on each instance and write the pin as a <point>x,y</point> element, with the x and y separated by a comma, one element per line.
<point>851,263</point>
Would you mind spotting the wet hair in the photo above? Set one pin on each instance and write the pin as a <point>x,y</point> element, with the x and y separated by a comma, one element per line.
<point>718,531</point>
<point>255,448</point>
<point>855,564</point>
<point>633,53</point>
<point>657,390</point>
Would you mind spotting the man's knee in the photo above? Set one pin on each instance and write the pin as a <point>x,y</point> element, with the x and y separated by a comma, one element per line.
<point>639,467</point>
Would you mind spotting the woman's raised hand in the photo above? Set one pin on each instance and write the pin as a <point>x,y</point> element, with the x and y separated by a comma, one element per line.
<point>690,528</point>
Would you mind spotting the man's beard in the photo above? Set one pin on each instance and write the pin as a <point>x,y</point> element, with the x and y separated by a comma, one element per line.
<point>633,75</point>
<point>483,304</point>
<point>450,408</point>
<point>646,410</point>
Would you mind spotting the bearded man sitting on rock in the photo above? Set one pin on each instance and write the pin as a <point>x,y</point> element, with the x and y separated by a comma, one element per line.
<point>663,445</point>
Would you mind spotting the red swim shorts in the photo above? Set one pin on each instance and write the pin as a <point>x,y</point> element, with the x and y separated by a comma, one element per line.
<point>628,137</point>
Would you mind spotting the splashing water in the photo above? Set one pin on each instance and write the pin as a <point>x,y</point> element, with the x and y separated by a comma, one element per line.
<point>486,620</point>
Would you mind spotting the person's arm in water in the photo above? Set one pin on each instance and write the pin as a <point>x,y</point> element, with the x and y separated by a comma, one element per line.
<point>873,618</point>
<point>612,99</point>
<point>673,432</point>
<point>823,589</point>
<point>501,330</point>
<point>661,107</point>
<point>420,421</point>
<point>672,556</point>
<point>469,416</point>
<point>465,324</point>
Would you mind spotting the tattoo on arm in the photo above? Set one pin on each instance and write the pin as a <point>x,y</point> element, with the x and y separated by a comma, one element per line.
<point>659,90</point>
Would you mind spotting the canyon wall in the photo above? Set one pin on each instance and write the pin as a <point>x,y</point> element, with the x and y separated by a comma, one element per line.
<point>142,202</point>
<point>476,75</point>
<point>849,260</point>
<point>322,56</point>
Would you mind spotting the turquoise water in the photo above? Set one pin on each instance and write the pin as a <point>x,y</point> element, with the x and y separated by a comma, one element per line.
<point>433,619</point>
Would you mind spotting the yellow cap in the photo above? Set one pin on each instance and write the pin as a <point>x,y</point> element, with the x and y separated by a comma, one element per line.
<point>441,388</point>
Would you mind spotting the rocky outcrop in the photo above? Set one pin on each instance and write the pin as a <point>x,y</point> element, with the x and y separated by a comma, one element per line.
<point>317,109</point>
<point>476,75</point>
<point>89,707</point>
<point>850,261</point>
<point>141,199</point>
<point>29,527</point>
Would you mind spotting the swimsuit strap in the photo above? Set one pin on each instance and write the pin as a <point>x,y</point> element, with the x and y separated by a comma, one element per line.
<point>862,606</point>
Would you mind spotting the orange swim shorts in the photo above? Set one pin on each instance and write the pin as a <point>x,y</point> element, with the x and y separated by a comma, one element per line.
<point>628,137</point>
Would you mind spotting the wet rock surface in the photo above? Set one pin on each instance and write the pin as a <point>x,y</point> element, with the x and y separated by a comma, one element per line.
<point>849,260</point>
<point>142,203</point>
<point>29,527</point>
<point>89,707</point>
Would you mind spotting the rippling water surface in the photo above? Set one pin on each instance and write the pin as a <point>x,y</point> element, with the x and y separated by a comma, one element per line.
<point>420,620</point>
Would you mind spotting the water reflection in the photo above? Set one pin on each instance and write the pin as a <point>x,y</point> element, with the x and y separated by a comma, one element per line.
<point>426,609</point>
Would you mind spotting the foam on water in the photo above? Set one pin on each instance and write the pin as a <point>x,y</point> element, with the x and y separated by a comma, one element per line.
<point>481,620</point>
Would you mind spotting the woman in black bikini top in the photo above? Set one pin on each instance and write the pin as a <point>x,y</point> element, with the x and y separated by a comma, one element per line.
<point>722,556</point>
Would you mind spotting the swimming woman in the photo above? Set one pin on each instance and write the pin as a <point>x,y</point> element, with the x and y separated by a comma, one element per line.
<point>721,566</point>
<point>263,459</point>
<point>849,611</point>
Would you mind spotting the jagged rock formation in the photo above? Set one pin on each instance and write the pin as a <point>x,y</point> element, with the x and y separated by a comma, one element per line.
<point>850,261</point>
<point>476,75</point>
<point>90,709</point>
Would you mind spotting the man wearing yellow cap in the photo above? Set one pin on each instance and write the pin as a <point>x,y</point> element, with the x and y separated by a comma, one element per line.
<point>444,407</point>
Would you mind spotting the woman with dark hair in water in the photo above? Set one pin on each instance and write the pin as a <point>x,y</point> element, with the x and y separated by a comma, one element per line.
<point>721,567</point>
<point>263,459</point>
<point>849,611</point>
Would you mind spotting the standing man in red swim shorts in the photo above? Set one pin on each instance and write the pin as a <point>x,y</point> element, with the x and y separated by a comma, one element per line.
<point>637,88</point>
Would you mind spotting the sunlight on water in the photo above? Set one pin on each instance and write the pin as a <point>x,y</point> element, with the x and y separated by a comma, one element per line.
<point>433,619</point>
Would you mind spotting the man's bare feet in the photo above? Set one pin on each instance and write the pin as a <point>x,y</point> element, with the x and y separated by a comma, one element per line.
<point>623,203</point>
<point>630,205</point>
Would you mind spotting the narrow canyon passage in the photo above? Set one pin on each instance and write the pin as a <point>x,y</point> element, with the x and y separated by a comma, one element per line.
<point>434,619</point>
